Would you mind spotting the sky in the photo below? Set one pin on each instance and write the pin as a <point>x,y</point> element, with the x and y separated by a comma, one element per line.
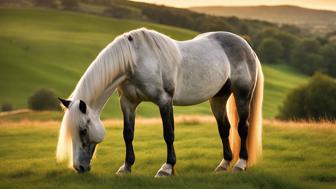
<point>314,4</point>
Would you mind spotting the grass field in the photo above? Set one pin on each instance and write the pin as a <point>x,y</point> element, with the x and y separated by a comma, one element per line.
<point>51,49</point>
<point>293,158</point>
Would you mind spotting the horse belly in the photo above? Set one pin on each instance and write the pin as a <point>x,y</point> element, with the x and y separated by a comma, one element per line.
<point>200,78</point>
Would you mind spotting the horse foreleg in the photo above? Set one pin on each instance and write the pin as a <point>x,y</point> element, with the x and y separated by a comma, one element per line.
<point>128,109</point>
<point>167,116</point>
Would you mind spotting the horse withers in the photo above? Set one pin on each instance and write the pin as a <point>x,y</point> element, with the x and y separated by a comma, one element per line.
<point>145,65</point>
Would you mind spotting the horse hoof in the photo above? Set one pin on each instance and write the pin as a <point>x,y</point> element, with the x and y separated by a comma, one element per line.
<point>240,166</point>
<point>124,170</point>
<point>222,167</point>
<point>165,171</point>
<point>237,169</point>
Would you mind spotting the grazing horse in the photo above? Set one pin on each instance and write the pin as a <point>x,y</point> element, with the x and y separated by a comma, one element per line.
<point>145,65</point>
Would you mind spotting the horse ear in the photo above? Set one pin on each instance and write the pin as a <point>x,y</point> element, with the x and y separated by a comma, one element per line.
<point>82,106</point>
<point>130,38</point>
<point>65,103</point>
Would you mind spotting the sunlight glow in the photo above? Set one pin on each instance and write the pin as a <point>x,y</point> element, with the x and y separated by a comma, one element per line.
<point>313,4</point>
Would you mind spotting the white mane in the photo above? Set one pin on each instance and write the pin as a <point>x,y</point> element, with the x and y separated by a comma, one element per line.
<point>116,59</point>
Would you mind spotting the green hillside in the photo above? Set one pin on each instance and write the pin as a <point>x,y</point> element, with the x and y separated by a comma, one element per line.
<point>51,49</point>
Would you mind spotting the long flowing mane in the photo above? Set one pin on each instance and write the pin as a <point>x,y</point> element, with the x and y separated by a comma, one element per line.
<point>114,60</point>
<point>120,56</point>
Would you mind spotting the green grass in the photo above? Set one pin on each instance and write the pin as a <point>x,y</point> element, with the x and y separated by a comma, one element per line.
<point>292,158</point>
<point>51,49</point>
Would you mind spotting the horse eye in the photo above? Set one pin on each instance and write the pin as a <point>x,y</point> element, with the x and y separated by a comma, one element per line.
<point>82,132</point>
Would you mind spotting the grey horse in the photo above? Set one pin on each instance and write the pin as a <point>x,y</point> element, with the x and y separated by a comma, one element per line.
<point>145,65</point>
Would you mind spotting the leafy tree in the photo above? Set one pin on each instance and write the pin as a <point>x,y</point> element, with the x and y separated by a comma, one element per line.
<point>328,52</point>
<point>70,4</point>
<point>291,29</point>
<point>270,50</point>
<point>313,101</point>
<point>6,107</point>
<point>263,34</point>
<point>305,57</point>
<point>120,12</point>
<point>43,99</point>
<point>45,3</point>
<point>287,40</point>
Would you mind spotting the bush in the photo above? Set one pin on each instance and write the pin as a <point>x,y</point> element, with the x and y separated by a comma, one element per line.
<point>70,4</point>
<point>43,99</point>
<point>121,12</point>
<point>46,3</point>
<point>270,50</point>
<point>5,107</point>
<point>313,101</point>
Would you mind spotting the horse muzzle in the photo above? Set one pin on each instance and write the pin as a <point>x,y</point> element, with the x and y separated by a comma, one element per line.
<point>82,168</point>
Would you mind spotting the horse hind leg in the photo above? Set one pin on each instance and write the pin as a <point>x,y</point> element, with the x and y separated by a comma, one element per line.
<point>218,107</point>
<point>243,97</point>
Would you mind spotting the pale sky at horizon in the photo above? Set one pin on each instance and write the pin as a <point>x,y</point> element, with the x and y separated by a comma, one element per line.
<point>313,4</point>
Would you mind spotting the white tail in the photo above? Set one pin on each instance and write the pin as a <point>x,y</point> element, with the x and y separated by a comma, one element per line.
<point>254,139</point>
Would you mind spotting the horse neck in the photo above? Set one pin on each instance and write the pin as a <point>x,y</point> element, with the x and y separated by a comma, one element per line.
<point>103,76</point>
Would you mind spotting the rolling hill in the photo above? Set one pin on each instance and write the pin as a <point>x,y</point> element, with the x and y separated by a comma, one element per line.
<point>277,14</point>
<point>51,49</point>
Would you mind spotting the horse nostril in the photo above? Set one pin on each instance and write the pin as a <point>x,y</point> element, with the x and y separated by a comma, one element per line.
<point>81,169</point>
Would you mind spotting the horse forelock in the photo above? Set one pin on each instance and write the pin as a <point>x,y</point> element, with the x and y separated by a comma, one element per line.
<point>64,151</point>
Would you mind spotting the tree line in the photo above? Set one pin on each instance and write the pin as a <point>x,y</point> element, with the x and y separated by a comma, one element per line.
<point>285,44</point>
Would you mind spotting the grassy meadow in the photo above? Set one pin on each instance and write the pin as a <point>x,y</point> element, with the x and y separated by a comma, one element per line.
<point>51,49</point>
<point>292,158</point>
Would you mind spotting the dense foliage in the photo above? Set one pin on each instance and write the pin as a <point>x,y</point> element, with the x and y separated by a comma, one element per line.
<point>70,4</point>
<point>43,99</point>
<point>270,50</point>
<point>45,3</point>
<point>117,11</point>
<point>6,107</point>
<point>313,101</point>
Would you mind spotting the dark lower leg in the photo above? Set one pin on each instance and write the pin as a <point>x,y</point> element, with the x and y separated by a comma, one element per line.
<point>243,126</point>
<point>218,107</point>
<point>224,132</point>
<point>128,134</point>
<point>243,132</point>
<point>128,110</point>
<point>167,116</point>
